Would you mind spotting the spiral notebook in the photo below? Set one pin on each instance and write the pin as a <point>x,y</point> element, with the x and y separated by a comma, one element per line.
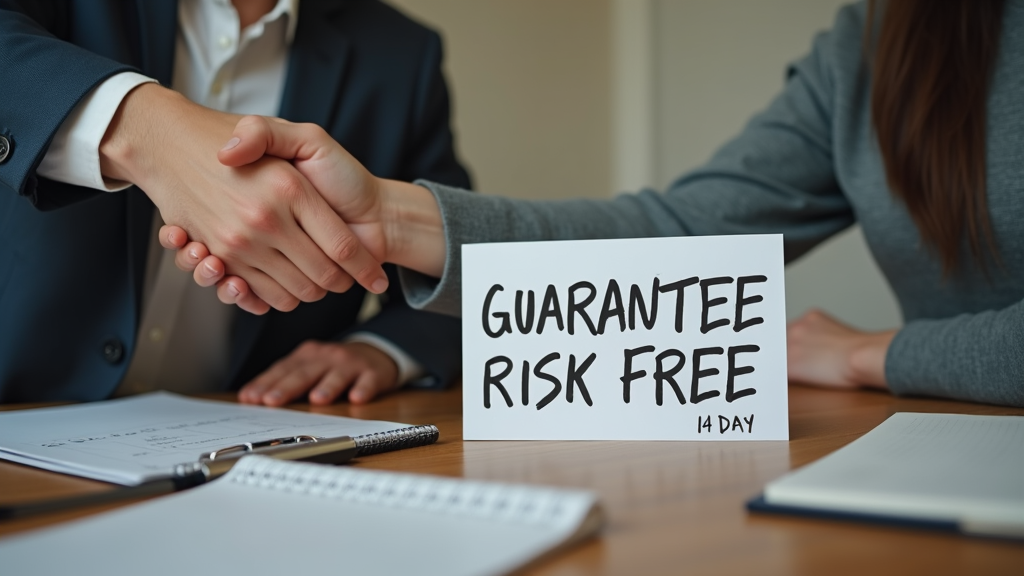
<point>141,438</point>
<point>269,517</point>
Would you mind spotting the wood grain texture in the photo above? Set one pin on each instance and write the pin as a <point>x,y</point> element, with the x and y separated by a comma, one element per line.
<point>672,507</point>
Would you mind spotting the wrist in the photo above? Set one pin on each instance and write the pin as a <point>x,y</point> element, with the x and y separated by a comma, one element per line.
<point>124,148</point>
<point>866,360</point>
<point>413,227</point>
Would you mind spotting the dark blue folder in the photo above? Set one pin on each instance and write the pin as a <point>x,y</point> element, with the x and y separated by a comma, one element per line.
<point>760,505</point>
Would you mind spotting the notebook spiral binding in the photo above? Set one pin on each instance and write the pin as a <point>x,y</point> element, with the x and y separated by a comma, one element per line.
<point>410,437</point>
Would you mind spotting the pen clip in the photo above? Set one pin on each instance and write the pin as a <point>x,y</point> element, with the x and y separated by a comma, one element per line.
<point>239,450</point>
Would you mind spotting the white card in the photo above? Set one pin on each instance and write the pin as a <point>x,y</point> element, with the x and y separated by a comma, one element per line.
<point>561,340</point>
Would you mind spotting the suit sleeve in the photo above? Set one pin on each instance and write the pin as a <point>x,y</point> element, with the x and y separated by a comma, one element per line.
<point>44,78</point>
<point>433,340</point>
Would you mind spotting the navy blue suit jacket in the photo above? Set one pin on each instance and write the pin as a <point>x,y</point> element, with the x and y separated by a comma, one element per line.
<point>72,259</point>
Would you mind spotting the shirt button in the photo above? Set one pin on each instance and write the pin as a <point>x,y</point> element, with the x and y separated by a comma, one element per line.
<point>113,351</point>
<point>5,149</point>
<point>156,334</point>
<point>225,41</point>
<point>216,88</point>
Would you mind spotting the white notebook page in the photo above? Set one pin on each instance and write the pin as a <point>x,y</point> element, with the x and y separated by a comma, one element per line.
<point>968,469</point>
<point>268,517</point>
<point>131,440</point>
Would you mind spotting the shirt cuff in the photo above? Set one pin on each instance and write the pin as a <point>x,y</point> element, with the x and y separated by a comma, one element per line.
<point>408,368</point>
<point>74,153</point>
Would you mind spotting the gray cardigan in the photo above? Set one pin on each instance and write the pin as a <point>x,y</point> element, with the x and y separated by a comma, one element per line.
<point>809,167</point>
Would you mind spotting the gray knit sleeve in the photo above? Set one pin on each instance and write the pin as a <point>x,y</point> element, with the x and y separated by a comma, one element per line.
<point>776,176</point>
<point>977,357</point>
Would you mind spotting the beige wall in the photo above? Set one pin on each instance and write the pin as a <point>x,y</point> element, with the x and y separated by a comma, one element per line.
<point>531,91</point>
<point>555,98</point>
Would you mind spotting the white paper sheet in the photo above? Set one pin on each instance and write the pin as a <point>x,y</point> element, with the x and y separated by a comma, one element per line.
<point>132,440</point>
<point>946,467</point>
<point>635,339</point>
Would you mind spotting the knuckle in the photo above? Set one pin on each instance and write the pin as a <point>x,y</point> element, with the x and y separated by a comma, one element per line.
<point>367,273</point>
<point>236,242</point>
<point>311,131</point>
<point>310,292</point>
<point>250,119</point>
<point>286,303</point>
<point>262,218</point>
<point>333,277</point>
<point>288,184</point>
<point>346,247</point>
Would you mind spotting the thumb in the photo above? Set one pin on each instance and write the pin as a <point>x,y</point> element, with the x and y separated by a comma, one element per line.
<point>256,136</point>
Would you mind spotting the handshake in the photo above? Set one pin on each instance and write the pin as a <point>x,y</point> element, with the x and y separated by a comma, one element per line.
<point>282,215</point>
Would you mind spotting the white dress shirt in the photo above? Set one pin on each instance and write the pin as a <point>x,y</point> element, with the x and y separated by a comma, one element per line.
<point>183,338</point>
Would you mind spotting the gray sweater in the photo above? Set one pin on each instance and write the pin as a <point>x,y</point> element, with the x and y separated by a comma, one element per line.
<point>809,167</point>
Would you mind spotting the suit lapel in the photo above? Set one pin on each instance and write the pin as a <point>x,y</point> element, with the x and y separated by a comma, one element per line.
<point>312,92</point>
<point>316,65</point>
<point>157,25</point>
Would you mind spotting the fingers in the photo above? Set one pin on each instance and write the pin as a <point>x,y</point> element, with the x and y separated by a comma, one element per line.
<point>287,277</point>
<point>172,237</point>
<point>190,256</point>
<point>265,288</point>
<point>326,371</point>
<point>337,240</point>
<point>330,387</point>
<point>301,241</point>
<point>326,366</point>
<point>208,271</point>
<point>366,387</point>
<point>256,136</point>
<point>286,379</point>
<point>234,290</point>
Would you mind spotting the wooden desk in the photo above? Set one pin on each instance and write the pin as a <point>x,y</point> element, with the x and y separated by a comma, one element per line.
<point>672,507</point>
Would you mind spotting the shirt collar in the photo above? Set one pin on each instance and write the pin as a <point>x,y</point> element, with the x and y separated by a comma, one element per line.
<point>290,9</point>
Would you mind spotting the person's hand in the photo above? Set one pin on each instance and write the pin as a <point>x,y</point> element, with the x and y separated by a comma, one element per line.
<point>396,221</point>
<point>325,370</point>
<point>265,221</point>
<point>825,352</point>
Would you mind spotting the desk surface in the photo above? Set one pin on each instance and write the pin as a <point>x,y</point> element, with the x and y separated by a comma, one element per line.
<point>672,507</point>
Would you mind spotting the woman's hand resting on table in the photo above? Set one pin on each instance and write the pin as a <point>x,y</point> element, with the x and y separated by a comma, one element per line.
<point>824,352</point>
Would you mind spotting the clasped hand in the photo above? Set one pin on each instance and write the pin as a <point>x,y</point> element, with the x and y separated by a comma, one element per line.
<point>349,194</point>
<point>260,214</point>
<point>821,350</point>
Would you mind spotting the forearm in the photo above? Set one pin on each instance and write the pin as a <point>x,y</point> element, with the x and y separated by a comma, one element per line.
<point>977,357</point>
<point>427,230</point>
<point>150,127</point>
<point>413,227</point>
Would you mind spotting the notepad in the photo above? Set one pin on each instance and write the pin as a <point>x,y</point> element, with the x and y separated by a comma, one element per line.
<point>269,517</point>
<point>951,471</point>
<point>133,440</point>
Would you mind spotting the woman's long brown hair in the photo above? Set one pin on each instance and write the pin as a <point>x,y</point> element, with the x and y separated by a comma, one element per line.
<point>931,71</point>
